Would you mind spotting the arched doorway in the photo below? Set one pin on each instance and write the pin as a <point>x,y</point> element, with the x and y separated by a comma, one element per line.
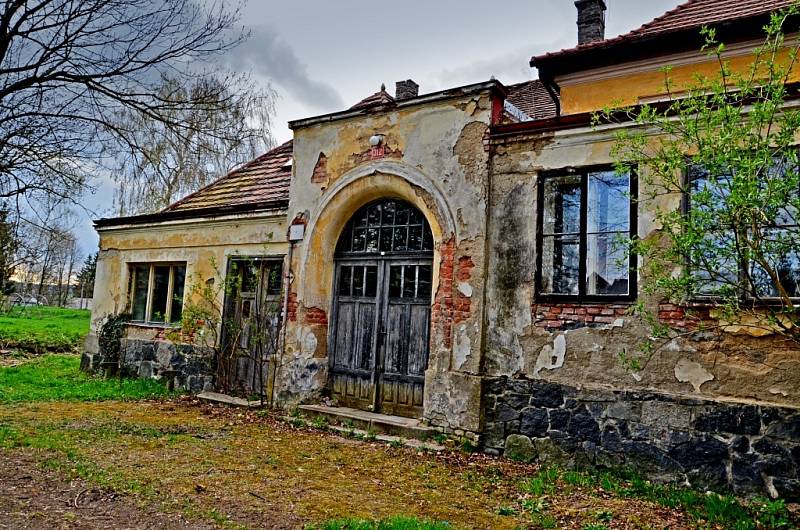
<point>382,309</point>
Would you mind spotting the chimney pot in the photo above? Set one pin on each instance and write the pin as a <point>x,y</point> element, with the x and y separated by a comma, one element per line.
<point>591,20</point>
<point>406,90</point>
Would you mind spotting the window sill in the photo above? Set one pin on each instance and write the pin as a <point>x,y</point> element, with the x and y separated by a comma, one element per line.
<point>153,325</point>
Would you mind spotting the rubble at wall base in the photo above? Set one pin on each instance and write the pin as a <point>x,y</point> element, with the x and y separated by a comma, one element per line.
<point>749,449</point>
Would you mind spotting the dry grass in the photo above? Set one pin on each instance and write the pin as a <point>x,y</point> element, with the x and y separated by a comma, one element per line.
<point>239,468</point>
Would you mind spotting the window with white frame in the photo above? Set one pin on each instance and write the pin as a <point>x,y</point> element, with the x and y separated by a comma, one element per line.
<point>156,292</point>
<point>586,221</point>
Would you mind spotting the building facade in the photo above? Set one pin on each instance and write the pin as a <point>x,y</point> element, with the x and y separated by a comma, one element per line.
<point>445,257</point>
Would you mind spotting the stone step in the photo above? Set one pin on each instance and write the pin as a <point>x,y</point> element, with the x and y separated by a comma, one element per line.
<point>224,399</point>
<point>371,421</point>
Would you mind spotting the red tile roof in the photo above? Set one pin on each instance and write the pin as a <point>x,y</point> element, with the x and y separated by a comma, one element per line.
<point>533,99</point>
<point>380,97</point>
<point>261,181</point>
<point>690,15</point>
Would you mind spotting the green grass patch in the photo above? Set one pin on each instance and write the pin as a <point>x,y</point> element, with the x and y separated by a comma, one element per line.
<point>58,378</point>
<point>394,523</point>
<point>708,510</point>
<point>43,329</point>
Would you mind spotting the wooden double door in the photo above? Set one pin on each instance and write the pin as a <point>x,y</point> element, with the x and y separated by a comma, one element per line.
<point>380,333</point>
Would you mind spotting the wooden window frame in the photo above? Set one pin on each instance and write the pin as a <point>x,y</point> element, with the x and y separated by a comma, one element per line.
<point>633,261</point>
<point>148,312</point>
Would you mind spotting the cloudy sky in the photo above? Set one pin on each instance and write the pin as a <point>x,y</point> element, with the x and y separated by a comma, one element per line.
<point>321,56</point>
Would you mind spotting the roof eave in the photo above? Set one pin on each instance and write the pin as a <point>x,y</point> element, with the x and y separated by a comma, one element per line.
<point>495,86</point>
<point>640,47</point>
<point>195,213</point>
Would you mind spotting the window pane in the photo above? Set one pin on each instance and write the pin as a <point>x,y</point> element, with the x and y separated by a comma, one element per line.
<point>158,311</point>
<point>608,206</point>
<point>715,264</point>
<point>386,240</point>
<point>141,280</point>
<point>358,281</point>
<point>177,293</point>
<point>410,281</point>
<point>274,280</point>
<point>607,266</point>
<point>560,265</point>
<point>371,285</point>
<point>374,215</point>
<point>415,238</point>
<point>424,288</point>
<point>562,205</point>
<point>395,282</point>
<point>400,238</point>
<point>345,278</point>
<point>372,239</point>
<point>249,276</point>
<point>784,258</point>
<point>359,240</point>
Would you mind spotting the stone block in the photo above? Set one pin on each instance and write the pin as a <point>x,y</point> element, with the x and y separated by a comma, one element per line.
<point>504,412</point>
<point>520,448</point>
<point>87,362</point>
<point>494,436</point>
<point>584,426</point>
<point>534,422</point>
<point>699,452</point>
<point>559,419</point>
<point>146,370</point>
<point>731,419</point>
<point>550,453</point>
<point>787,428</point>
<point>624,410</point>
<point>516,401</point>
<point>665,414</point>
<point>547,395</point>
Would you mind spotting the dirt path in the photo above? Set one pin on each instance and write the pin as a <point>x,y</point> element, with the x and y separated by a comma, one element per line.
<point>31,497</point>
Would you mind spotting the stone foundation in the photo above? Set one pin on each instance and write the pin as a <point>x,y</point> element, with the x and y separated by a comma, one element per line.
<point>746,448</point>
<point>180,366</point>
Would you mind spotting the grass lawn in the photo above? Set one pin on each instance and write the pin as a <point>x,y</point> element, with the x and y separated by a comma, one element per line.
<point>247,469</point>
<point>43,329</point>
<point>58,378</point>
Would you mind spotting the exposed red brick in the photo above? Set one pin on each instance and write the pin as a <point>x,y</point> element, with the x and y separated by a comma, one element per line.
<point>320,174</point>
<point>315,315</point>
<point>442,311</point>
<point>291,309</point>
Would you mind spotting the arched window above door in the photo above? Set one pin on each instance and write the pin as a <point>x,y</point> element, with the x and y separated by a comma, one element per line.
<point>385,227</point>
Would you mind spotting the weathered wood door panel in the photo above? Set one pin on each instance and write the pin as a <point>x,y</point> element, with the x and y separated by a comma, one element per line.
<point>353,359</point>
<point>380,324</point>
<point>407,323</point>
<point>251,325</point>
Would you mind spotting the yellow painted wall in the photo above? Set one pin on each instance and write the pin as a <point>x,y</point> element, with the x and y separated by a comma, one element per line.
<point>205,246</point>
<point>648,83</point>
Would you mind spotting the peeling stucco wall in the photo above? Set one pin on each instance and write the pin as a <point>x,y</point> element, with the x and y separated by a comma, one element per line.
<point>205,246</point>
<point>435,157</point>
<point>580,344</point>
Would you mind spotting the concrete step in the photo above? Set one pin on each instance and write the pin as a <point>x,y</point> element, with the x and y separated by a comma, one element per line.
<point>224,399</point>
<point>371,421</point>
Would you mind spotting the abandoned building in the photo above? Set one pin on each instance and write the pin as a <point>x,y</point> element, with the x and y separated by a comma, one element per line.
<point>428,268</point>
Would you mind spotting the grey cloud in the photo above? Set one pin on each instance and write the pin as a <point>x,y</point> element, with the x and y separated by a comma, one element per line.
<point>270,57</point>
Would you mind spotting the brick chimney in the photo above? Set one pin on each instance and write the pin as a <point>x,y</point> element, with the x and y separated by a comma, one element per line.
<point>406,90</point>
<point>591,20</point>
